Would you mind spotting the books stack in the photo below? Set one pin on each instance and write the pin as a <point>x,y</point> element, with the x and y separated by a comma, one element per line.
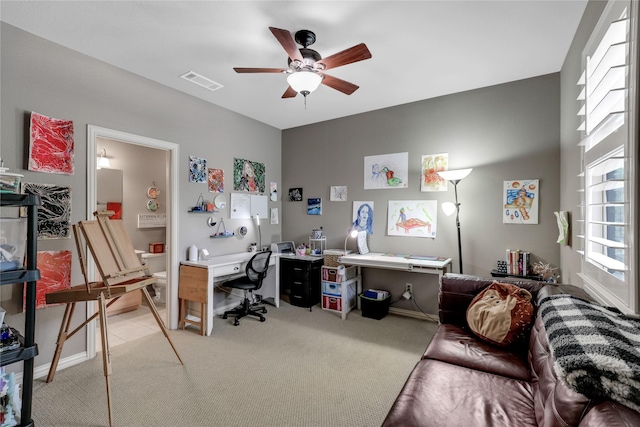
<point>376,294</point>
<point>518,262</point>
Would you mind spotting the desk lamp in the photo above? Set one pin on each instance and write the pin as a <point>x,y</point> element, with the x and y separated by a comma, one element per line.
<point>353,233</point>
<point>448,208</point>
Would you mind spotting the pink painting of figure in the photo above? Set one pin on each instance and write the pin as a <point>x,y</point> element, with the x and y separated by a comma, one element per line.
<point>50,145</point>
<point>55,274</point>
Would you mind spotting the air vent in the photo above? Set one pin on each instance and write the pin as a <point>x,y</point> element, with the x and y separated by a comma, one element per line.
<point>201,81</point>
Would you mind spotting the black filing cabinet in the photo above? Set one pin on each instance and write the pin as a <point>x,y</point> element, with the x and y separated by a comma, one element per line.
<point>300,278</point>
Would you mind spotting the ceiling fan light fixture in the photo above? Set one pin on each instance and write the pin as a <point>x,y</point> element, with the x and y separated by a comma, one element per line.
<point>304,82</point>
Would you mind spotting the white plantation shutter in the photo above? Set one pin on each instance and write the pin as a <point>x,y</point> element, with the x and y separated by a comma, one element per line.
<point>608,212</point>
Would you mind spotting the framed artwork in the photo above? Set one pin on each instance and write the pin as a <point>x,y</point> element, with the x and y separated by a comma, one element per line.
<point>273,191</point>
<point>197,169</point>
<point>412,218</point>
<point>215,180</point>
<point>520,199</point>
<point>314,206</point>
<point>54,216</point>
<point>51,145</point>
<point>55,274</point>
<point>363,216</point>
<point>338,193</point>
<point>386,171</point>
<point>295,194</point>
<point>431,165</point>
<point>248,176</point>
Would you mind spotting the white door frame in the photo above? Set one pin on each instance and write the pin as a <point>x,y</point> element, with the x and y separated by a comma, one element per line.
<point>94,132</point>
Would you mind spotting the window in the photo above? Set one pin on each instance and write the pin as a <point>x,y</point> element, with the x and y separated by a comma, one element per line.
<point>609,142</point>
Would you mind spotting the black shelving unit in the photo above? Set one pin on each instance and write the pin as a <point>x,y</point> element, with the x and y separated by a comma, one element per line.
<point>496,273</point>
<point>29,275</point>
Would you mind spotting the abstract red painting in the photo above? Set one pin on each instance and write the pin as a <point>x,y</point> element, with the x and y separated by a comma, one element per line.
<point>51,145</point>
<point>55,274</point>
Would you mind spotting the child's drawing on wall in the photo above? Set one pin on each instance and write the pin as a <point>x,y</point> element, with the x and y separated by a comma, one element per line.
<point>431,165</point>
<point>386,171</point>
<point>521,201</point>
<point>412,218</point>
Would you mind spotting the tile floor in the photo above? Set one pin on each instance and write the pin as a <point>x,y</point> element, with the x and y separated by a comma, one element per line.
<point>132,325</point>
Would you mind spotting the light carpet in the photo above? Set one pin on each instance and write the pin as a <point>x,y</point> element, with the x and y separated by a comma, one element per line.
<point>298,368</point>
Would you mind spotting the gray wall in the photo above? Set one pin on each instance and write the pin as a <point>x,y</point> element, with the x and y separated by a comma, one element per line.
<point>504,132</point>
<point>40,76</point>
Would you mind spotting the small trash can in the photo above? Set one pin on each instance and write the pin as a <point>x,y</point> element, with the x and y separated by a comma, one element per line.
<point>374,308</point>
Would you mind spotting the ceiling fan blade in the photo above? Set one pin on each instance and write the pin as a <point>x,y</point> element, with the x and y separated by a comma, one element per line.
<point>353,54</point>
<point>289,93</point>
<point>339,84</point>
<point>259,70</point>
<point>288,43</point>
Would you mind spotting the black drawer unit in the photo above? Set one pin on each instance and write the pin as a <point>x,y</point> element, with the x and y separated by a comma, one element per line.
<point>300,278</point>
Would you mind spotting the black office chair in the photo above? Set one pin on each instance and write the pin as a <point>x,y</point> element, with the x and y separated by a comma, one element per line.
<point>256,271</point>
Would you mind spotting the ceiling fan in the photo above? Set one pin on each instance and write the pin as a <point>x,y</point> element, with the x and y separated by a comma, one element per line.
<point>306,66</point>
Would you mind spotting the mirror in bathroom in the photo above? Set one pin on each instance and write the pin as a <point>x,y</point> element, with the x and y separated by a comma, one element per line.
<point>109,190</point>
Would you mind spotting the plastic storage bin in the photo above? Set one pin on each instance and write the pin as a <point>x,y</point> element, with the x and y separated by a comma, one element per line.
<point>373,308</point>
<point>13,240</point>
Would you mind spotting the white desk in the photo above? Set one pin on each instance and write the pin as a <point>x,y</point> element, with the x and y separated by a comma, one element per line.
<point>227,267</point>
<point>408,263</point>
<point>411,263</point>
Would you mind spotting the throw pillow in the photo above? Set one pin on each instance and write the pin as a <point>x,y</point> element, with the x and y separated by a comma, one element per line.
<point>501,314</point>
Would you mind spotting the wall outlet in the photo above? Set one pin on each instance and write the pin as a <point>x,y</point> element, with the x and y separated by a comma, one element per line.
<point>408,287</point>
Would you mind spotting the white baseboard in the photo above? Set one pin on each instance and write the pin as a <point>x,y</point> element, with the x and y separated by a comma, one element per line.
<point>43,370</point>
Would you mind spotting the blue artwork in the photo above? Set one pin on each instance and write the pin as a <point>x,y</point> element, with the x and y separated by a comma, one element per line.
<point>197,169</point>
<point>314,206</point>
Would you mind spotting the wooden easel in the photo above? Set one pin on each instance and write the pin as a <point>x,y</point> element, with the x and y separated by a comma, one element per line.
<point>121,273</point>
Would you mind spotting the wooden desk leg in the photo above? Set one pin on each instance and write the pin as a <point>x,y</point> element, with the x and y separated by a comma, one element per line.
<point>182,313</point>
<point>156,315</point>
<point>62,338</point>
<point>106,352</point>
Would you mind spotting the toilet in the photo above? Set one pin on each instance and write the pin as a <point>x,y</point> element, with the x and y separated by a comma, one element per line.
<point>160,287</point>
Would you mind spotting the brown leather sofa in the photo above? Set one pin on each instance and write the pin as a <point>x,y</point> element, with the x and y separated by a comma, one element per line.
<point>464,381</point>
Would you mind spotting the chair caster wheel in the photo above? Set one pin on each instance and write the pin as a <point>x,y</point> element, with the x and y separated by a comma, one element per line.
<point>264,310</point>
<point>262,319</point>
<point>236,323</point>
<point>224,316</point>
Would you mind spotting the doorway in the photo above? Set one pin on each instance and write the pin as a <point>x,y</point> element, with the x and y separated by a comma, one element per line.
<point>121,148</point>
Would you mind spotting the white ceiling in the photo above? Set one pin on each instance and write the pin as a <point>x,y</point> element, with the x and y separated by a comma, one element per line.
<point>420,49</point>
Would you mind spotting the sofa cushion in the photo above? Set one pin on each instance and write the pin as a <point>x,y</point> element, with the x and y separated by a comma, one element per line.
<point>610,414</point>
<point>501,314</point>
<point>458,346</point>
<point>439,394</point>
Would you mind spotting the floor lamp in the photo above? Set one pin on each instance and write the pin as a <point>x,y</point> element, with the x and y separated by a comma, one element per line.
<point>455,177</point>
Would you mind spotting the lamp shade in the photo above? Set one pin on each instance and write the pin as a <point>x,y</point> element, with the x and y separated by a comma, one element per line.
<point>304,82</point>
<point>448,208</point>
<point>455,175</point>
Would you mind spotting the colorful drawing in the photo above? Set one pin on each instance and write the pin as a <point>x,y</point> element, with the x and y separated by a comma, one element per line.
<point>295,194</point>
<point>431,165</point>
<point>215,180</point>
<point>54,215</point>
<point>55,274</point>
<point>412,218</point>
<point>51,146</point>
<point>197,169</point>
<point>386,171</point>
<point>248,176</point>
<point>521,201</point>
<point>338,193</point>
<point>363,216</point>
<point>314,206</point>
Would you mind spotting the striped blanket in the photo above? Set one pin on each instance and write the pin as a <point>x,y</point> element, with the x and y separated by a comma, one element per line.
<point>596,349</point>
